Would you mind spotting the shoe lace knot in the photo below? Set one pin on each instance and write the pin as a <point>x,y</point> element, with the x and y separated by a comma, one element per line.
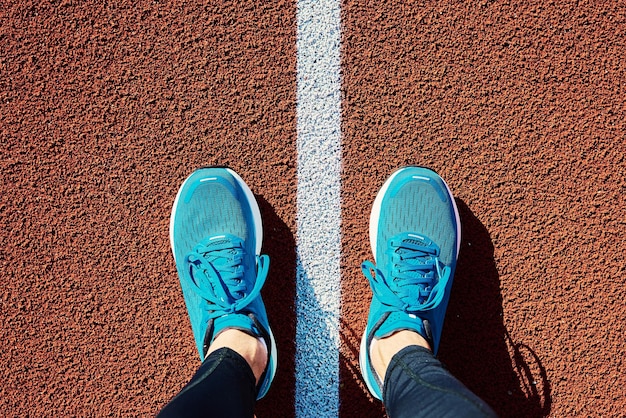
<point>417,278</point>
<point>217,273</point>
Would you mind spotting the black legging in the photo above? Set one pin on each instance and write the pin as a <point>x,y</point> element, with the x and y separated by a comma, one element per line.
<point>223,386</point>
<point>416,385</point>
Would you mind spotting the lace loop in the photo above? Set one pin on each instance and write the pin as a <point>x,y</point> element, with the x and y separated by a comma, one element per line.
<point>417,279</point>
<point>217,275</point>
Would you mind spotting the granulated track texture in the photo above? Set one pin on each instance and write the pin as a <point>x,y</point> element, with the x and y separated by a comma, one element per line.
<point>106,108</point>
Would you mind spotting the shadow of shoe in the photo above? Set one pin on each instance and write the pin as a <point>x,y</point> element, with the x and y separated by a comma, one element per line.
<point>476,346</point>
<point>356,399</point>
<point>279,293</point>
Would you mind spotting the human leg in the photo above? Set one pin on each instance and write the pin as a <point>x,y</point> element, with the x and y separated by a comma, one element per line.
<point>417,385</point>
<point>224,386</point>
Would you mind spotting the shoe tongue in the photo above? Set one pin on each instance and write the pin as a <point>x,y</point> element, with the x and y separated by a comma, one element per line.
<point>414,239</point>
<point>220,241</point>
<point>216,242</point>
<point>397,321</point>
<point>408,241</point>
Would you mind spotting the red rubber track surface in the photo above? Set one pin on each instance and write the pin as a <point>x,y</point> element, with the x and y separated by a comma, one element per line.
<point>520,107</point>
<point>105,109</point>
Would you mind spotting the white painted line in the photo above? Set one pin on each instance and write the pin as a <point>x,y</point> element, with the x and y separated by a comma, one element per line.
<point>318,290</point>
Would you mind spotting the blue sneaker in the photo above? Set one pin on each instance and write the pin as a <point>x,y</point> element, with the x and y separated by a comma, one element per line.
<point>216,236</point>
<point>415,234</point>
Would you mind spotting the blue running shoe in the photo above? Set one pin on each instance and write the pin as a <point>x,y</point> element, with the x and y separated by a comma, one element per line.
<point>216,236</point>
<point>415,234</point>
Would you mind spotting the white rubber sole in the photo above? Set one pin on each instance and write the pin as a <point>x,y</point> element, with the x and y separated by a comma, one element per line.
<point>363,351</point>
